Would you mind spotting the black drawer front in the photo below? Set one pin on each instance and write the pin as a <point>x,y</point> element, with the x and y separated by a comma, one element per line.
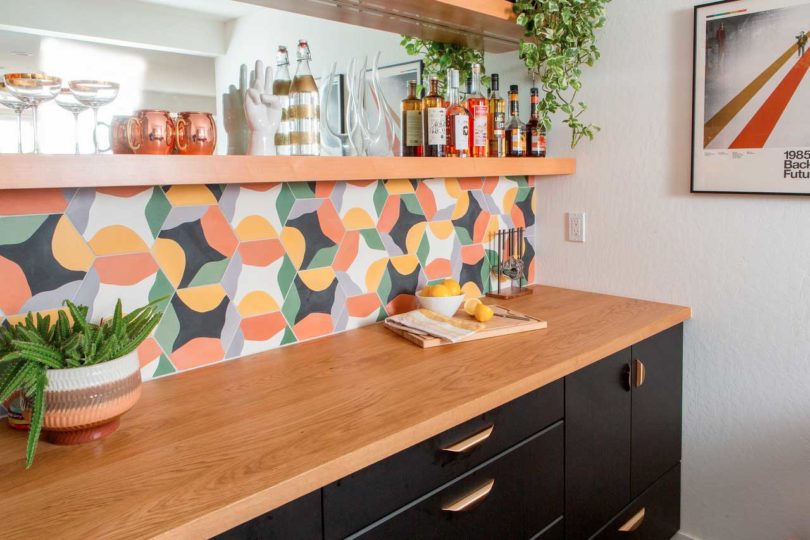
<point>661,505</point>
<point>555,531</point>
<point>366,496</point>
<point>526,496</point>
<point>297,520</point>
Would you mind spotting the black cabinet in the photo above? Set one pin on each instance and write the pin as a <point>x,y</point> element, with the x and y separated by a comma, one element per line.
<point>623,429</point>
<point>298,520</point>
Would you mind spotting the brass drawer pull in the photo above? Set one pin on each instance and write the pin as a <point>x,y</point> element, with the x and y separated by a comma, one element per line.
<point>634,522</point>
<point>471,499</point>
<point>640,373</point>
<point>471,442</point>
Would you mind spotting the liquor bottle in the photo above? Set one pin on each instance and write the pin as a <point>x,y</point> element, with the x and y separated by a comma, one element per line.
<point>516,130</point>
<point>467,91</point>
<point>412,125</point>
<point>535,132</point>
<point>305,107</point>
<point>458,120</point>
<point>281,88</point>
<point>497,120</point>
<point>479,109</point>
<point>435,121</point>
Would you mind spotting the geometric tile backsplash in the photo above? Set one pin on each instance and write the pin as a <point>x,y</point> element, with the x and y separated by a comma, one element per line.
<point>255,266</point>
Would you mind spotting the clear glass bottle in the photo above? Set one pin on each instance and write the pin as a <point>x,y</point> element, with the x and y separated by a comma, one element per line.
<point>458,120</point>
<point>305,112</point>
<point>535,132</point>
<point>412,124</point>
<point>497,120</point>
<point>434,113</point>
<point>478,106</point>
<point>281,88</point>
<point>516,130</point>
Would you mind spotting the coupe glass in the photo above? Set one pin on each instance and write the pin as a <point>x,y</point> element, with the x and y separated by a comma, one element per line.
<point>94,94</point>
<point>9,100</point>
<point>68,101</point>
<point>33,89</point>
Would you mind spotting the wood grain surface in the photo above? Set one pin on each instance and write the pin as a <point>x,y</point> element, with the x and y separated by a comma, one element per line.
<point>30,171</point>
<point>211,448</point>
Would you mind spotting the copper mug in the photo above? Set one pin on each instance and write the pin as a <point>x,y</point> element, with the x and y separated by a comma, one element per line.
<point>118,135</point>
<point>150,132</point>
<point>195,134</point>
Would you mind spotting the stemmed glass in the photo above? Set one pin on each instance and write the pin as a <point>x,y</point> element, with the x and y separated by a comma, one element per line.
<point>9,100</point>
<point>94,94</point>
<point>33,89</point>
<point>68,101</point>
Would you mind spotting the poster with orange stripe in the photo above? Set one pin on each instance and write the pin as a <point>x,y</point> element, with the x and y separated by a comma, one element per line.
<point>751,118</point>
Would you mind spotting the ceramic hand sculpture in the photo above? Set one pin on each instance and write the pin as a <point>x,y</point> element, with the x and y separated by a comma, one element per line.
<point>263,113</point>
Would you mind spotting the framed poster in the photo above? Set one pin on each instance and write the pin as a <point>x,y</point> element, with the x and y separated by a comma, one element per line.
<point>751,105</point>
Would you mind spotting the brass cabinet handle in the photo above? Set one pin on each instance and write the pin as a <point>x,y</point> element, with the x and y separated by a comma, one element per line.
<point>634,522</point>
<point>471,442</point>
<point>471,499</point>
<point>640,373</point>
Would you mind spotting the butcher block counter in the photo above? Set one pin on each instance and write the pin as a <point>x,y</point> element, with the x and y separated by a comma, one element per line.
<point>212,448</point>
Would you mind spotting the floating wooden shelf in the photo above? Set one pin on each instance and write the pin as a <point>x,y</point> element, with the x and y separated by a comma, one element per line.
<point>482,24</point>
<point>30,171</point>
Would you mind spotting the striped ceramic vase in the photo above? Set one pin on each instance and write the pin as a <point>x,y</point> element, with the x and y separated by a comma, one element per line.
<point>84,404</point>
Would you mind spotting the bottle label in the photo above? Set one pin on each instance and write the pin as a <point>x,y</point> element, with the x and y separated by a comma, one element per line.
<point>437,126</point>
<point>413,128</point>
<point>499,122</point>
<point>461,132</point>
<point>518,140</point>
<point>538,142</point>
<point>480,130</point>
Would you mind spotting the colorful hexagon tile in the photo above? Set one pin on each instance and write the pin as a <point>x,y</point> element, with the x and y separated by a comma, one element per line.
<point>135,278</point>
<point>364,309</point>
<point>259,277</point>
<point>442,199</point>
<point>502,192</point>
<point>359,204</point>
<point>312,190</point>
<point>315,304</point>
<point>523,210</point>
<point>195,246</point>
<point>402,278</point>
<point>193,195</point>
<point>197,326</point>
<point>438,250</point>
<point>361,261</point>
<point>261,333</point>
<point>312,233</point>
<point>473,224</point>
<point>257,211</point>
<point>400,214</point>
<point>18,202</point>
<point>119,220</point>
<point>475,274</point>
<point>153,361</point>
<point>43,260</point>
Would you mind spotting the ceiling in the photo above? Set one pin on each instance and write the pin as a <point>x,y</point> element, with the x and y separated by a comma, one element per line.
<point>220,9</point>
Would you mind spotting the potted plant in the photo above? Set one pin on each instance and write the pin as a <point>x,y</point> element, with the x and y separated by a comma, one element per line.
<point>77,377</point>
<point>438,57</point>
<point>559,38</point>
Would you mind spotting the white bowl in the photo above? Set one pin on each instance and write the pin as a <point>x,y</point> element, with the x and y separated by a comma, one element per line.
<point>443,305</point>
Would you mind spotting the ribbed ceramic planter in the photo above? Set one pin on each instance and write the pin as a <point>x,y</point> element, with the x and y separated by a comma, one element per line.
<point>84,404</point>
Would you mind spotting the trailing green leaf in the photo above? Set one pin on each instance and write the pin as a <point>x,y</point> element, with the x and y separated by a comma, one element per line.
<point>438,57</point>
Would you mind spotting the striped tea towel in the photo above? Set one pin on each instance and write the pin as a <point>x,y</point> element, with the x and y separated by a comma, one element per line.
<point>448,328</point>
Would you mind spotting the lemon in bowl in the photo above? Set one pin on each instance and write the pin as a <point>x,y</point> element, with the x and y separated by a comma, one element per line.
<point>443,298</point>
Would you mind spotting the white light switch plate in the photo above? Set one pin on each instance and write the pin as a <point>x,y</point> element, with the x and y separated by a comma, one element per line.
<point>576,226</point>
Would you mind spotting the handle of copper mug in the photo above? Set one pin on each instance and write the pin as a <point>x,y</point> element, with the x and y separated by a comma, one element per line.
<point>95,136</point>
<point>134,147</point>
<point>180,127</point>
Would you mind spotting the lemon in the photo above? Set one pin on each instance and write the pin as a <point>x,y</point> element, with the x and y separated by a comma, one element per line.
<point>439,291</point>
<point>453,285</point>
<point>470,305</point>
<point>483,313</point>
<point>426,292</point>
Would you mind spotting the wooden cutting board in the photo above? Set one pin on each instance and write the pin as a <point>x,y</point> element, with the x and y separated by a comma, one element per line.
<point>497,326</point>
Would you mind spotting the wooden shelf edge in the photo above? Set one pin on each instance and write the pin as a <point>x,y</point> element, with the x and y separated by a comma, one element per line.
<point>29,171</point>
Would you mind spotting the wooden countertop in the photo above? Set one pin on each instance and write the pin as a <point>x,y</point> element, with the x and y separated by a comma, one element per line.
<point>208,449</point>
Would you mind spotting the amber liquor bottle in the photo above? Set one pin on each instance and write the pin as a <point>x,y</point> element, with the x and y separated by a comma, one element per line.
<point>412,139</point>
<point>478,107</point>
<point>458,120</point>
<point>435,121</point>
<point>497,120</point>
<point>516,130</point>
<point>535,132</point>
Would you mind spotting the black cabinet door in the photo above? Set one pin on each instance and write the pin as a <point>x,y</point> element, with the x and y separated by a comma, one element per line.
<point>297,520</point>
<point>597,444</point>
<point>656,424</point>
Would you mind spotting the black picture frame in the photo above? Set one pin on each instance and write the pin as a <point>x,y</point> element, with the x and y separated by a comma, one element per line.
<point>695,50</point>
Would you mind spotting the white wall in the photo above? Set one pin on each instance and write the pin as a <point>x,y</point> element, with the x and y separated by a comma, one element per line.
<point>741,262</point>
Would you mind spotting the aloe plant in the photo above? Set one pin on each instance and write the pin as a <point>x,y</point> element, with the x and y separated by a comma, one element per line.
<point>31,347</point>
